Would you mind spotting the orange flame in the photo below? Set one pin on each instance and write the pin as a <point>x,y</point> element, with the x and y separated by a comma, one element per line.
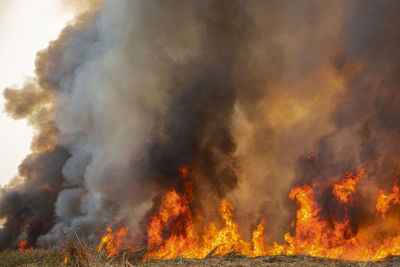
<point>173,231</point>
<point>23,246</point>
<point>344,188</point>
<point>175,217</point>
<point>112,241</point>
<point>220,241</point>
<point>316,236</point>
<point>384,200</point>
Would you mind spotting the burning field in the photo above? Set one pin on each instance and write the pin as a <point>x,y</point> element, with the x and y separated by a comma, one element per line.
<point>213,130</point>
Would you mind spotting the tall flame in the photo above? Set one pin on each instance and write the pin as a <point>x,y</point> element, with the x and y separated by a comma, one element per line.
<point>185,241</point>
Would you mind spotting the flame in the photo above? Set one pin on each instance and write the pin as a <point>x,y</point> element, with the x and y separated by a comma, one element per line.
<point>174,231</point>
<point>23,246</point>
<point>344,188</point>
<point>112,241</point>
<point>316,236</point>
<point>175,217</point>
<point>192,245</point>
<point>313,235</point>
<point>384,200</point>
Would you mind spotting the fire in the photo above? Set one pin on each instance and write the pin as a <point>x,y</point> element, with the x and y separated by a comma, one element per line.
<point>384,200</point>
<point>218,241</point>
<point>316,236</point>
<point>176,218</point>
<point>173,208</point>
<point>344,188</point>
<point>112,241</point>
<point>174,231</point>
<point>228,239</point>
<point>23,246</point>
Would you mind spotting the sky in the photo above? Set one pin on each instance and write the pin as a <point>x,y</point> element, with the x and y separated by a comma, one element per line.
<point>26,27</point>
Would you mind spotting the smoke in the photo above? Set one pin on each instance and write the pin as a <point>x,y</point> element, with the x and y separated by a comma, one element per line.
<point>239,92</point>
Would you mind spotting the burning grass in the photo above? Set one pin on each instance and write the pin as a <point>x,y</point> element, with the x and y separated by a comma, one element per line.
<point>173,231</point>
<point>80,255</point>
<point>313,236</point>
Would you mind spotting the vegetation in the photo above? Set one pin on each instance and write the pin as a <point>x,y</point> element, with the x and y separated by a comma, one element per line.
<point>79,254</point>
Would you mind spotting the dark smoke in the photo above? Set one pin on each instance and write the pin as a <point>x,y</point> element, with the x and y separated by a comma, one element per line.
<point>30,208</point>
<point>197,125</point>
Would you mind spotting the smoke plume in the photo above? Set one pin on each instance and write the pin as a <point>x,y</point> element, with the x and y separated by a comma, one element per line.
<point>252,97</point>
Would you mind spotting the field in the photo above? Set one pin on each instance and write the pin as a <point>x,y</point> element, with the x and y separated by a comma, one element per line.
<point>39,258</point>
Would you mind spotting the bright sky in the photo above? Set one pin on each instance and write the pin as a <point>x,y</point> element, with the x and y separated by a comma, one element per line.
<point>26,26</point>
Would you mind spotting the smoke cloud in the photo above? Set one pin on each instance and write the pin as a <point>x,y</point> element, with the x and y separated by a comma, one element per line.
<point>253,97</point>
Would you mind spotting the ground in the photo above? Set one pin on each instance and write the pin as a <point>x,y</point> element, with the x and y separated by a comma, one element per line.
<point>43,258</point>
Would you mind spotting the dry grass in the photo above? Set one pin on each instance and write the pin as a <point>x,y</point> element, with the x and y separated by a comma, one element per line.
<point>80,254</point>
<point>39,258</point>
